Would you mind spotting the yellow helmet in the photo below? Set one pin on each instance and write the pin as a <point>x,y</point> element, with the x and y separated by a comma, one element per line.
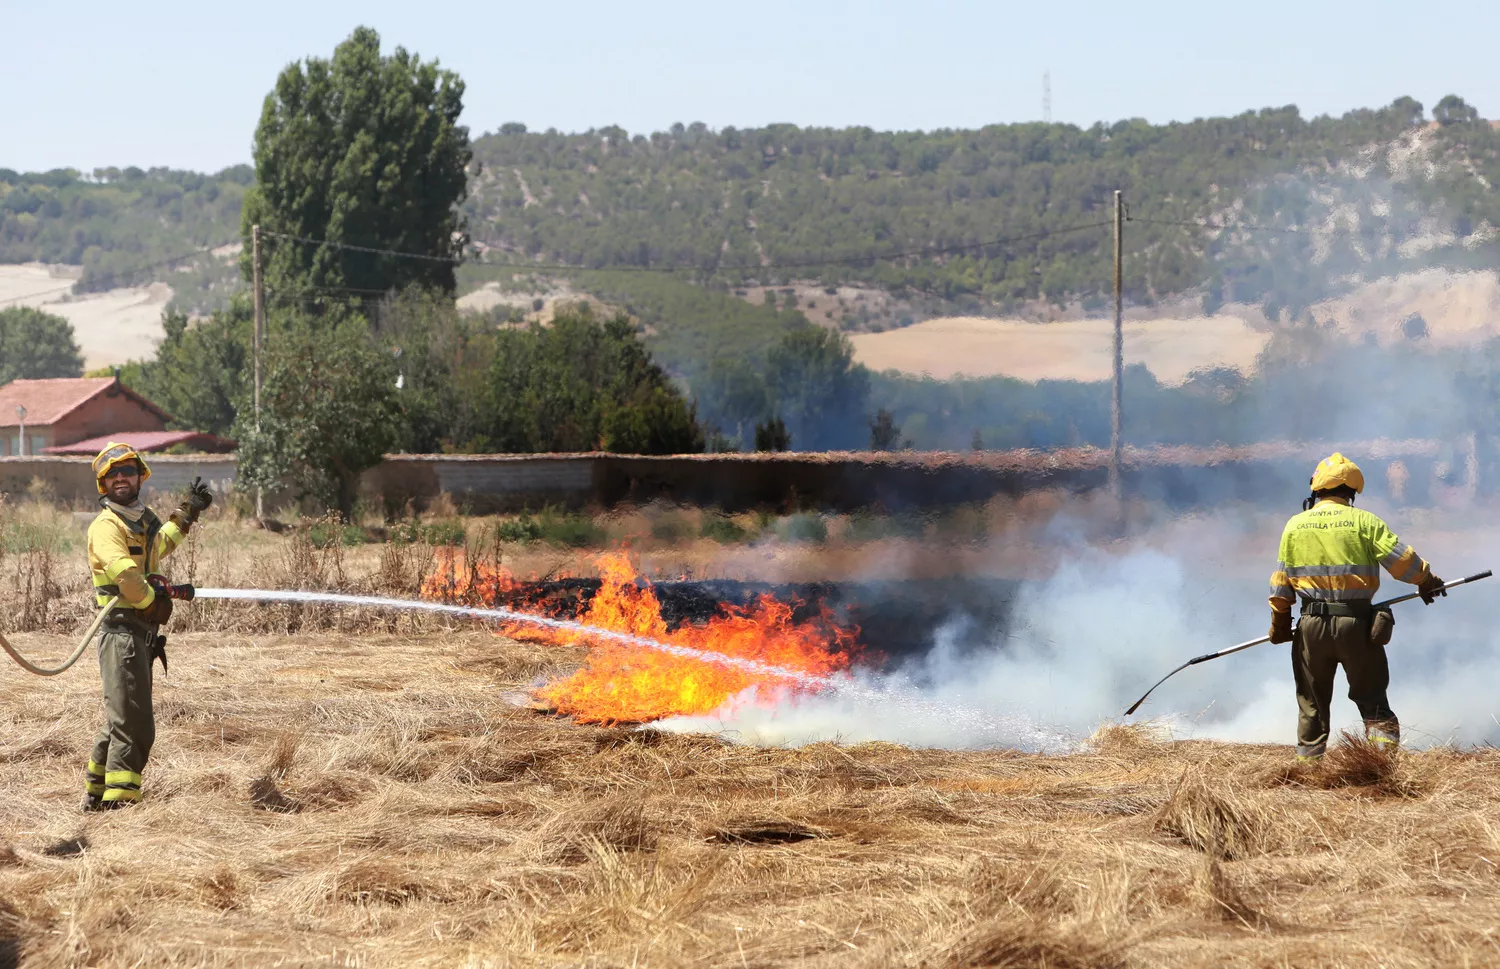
<point>115,453</point>
<point>1336,471</point>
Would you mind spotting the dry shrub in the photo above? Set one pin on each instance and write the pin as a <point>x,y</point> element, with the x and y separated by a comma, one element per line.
<point>1211,818</point>
<point>1354,762</point>
<point>1015,941</point>
<point>33,545</point>
<point>403,567</point>
<point>1127,738</point>
<point>1357,762</point>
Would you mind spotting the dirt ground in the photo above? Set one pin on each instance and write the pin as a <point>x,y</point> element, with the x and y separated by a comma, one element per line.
<point>372,799</point>
<point>1065,350</point>
<point>111,327</point>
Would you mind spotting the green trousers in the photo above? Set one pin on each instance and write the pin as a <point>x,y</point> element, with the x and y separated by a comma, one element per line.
<point>1321,645</point>
<point>124,742</point>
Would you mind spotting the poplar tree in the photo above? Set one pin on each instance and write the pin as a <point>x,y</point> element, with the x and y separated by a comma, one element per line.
<point>365,150</point>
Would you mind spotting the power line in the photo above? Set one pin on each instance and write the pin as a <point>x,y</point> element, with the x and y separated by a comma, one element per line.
<point>371,249</point>
<point>759,267</point>
<point>116,276</point>
<point>42,292</point>
<point>1213,225</point>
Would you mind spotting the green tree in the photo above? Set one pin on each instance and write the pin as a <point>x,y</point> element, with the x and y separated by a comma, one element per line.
<point>817,388</point>
<point>732,397</point>
<point>582,385</point>
<point>323,424</point>
<point>885,435</point>
<point>1453,109</point>
<point>202,370</point>
<point>363,150</point>
<point>34,343</point>
<point>443,362</point>
<point>772,435</point>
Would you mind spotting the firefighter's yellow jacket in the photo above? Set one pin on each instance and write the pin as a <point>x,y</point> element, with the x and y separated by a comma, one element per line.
<point>125,547</point>
<point>1334,552</point>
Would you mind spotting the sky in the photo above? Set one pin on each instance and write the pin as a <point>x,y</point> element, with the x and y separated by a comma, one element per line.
<point>178,84</point>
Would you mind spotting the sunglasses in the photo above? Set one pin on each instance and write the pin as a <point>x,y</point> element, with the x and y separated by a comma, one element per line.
<point>122,471</point>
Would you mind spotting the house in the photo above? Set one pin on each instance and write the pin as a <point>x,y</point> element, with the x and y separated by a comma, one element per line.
<point>61,415</point>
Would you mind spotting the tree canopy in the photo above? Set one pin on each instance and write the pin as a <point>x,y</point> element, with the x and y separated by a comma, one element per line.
<point>364,150</point>
<point>34,343</point>
<point>329,411</point>
<point>584,385</point>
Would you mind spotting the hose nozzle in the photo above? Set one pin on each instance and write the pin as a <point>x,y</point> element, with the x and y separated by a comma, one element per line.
<point>183,593</point>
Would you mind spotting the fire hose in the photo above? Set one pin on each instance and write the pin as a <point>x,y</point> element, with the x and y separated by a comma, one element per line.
<point>1266,639</point>
<point>83,644</point>
<point>188,592</point>
<point>183,592</point>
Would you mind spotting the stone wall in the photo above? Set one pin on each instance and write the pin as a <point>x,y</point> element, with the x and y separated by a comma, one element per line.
<point>1399,472</point>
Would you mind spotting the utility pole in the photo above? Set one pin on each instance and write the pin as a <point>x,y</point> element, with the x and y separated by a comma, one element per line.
<point>1116,415</point>
<point>260,327</point>
<point>1047,97</point>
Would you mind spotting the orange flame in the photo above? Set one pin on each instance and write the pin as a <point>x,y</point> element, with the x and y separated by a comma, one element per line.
<point>619,682</point>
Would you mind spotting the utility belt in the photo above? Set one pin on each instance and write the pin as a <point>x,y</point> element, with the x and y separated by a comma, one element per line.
<point>1352,609</point>
<point>130,621</point>
<point>127,619</point>
<point>1381,622</point>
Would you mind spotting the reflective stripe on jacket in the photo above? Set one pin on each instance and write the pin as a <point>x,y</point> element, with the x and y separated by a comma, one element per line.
<point>123,553</point>
<point>1334,552</point>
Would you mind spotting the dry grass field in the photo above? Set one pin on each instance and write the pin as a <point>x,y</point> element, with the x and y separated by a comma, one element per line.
<point>372,799</point>
<point>335,788</point>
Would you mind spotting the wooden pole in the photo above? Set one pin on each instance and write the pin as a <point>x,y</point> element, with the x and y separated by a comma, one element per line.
<point>1116,410</point>
<point>260,326</point>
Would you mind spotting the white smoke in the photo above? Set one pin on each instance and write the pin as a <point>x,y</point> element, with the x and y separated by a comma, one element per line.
<point>1113,618</point>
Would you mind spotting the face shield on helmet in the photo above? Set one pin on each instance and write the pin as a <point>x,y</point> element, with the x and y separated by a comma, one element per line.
<point>117,453</point>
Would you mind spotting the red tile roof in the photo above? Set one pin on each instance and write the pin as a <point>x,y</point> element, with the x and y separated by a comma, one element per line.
<point>148,441</point>
<point>49,401</point>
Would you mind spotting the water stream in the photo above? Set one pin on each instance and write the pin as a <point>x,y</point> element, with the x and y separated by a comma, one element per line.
<point>877,697</point>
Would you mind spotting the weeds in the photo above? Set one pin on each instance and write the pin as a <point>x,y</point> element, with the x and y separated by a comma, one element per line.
<point>566,529</point>
<point>805,526</point>
<point>35,542</point>
<point>719,527</point>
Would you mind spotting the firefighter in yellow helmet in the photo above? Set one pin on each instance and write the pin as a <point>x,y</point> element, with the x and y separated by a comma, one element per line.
<point>1330,559</point>
<point>127,541</point>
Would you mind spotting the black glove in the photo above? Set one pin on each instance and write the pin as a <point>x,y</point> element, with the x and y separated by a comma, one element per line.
<point>1430,588</point>
<point>160,609</point>
<point>1281,627</point>
<point>197,501</point>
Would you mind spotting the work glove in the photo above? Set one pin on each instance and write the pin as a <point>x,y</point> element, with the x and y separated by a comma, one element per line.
<point>1281,627</point>
<point>186,592</point>
<point>160,609</point>
<point>1430,588</point>
<point>197,501</point>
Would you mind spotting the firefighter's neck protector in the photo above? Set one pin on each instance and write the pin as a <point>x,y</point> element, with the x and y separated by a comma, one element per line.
<point>1336,471</point>
<point>115,453</point>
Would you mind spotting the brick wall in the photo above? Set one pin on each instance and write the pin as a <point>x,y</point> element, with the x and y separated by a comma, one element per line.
<point>108,413</point>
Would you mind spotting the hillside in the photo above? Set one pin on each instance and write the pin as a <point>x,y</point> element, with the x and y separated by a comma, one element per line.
<point>773,225</point>
<point>127,228</point>
<point>1370,187</point>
